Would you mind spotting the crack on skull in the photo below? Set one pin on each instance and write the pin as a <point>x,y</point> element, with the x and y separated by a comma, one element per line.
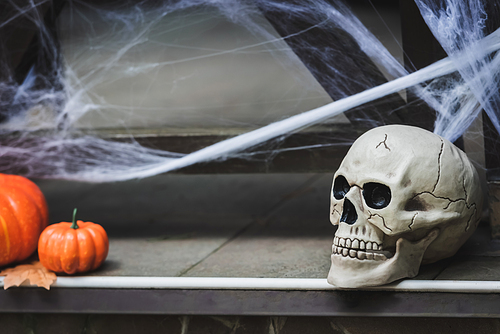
<point>451,201</point>
<point>465,189</point>
<point>383,220</point>
<point>472,215</point>
<point>439,166</point>
<point>469,207</point>
<point>384,142</point>
<point>335,210</point>
<point>412,221</point>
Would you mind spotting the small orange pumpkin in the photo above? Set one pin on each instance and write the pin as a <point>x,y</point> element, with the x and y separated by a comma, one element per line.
<point>74,247</point>
<point>23,216</point>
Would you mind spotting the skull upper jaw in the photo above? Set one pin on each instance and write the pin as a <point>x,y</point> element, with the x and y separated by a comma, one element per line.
<point>347,272</point>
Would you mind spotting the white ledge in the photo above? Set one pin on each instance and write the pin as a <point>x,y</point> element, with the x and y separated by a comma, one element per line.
<point>237,283</point>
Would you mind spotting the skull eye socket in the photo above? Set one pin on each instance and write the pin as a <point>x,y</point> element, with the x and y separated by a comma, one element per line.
<point>376,195</point>
<point>340,187</point>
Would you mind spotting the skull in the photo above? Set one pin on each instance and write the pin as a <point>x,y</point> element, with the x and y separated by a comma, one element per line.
<point>401,197</point>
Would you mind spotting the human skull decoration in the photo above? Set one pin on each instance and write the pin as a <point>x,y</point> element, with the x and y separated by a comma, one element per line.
<point>401,197</point>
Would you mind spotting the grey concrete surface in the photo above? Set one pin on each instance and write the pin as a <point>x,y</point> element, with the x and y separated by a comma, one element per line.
<point>472,268</point>
<point>163,226</point>
<point>294,241</point>
<point>247,225</point>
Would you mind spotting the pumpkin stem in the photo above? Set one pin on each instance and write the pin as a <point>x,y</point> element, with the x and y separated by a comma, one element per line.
<point>74,225</point>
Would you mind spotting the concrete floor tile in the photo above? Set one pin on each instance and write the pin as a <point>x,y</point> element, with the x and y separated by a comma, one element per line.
<point>294,242</point>
<point>472,268</point>
<point>432,270</point>
<point>146,257</point>
<point>269,257</point>
<point>480,243</point>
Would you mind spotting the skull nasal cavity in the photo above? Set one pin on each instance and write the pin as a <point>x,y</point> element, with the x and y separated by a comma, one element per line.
<point>349,215</point>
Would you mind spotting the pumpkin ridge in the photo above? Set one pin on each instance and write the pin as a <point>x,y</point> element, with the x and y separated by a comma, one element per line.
<point>69,256</point>
<point>39,202</point>
<point>6,234</point>
<point>88,251</point>
<point>101,241</point>
<point>51,245</point>
<point>14,229</point>
<point>22,209</point>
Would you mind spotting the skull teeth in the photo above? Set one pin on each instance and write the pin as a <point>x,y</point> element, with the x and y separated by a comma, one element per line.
<point>359,254</point>
<point>356,244</point>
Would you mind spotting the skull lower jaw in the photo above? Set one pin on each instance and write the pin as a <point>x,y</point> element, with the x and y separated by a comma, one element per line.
<point>347,272</point>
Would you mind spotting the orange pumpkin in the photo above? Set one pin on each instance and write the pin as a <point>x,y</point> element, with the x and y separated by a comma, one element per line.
<point>23,216</point>
<point>74,247</point>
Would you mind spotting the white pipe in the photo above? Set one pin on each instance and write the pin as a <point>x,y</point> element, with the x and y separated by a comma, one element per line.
<point>237,283</point>
<point>445,66</point>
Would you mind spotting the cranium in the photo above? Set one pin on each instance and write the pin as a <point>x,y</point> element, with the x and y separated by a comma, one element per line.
<point>401,197</point>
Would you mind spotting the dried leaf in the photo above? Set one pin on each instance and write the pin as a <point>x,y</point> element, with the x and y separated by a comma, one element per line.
<point>36,274</point>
